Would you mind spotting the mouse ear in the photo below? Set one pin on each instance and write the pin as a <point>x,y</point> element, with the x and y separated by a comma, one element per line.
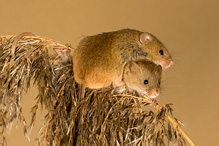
<point>145,38</point>
<point>134,67</point>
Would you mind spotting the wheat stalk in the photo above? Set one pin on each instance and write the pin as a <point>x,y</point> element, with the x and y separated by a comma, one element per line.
<point>103,117</point>
<point>156,105</point>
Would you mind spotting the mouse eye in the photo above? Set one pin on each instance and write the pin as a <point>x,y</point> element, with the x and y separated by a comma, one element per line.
<point>159,83</point>
<point>145,82</point>
<point>161,52</point>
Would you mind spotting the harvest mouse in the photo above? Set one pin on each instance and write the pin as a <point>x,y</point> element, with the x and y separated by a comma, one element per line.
<point>99,60</point>
<point>143,76</point>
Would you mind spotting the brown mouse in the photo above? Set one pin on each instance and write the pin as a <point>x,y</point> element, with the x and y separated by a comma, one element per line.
<point>61,51</point>
<point>143,76</point>
<point>99,60</point>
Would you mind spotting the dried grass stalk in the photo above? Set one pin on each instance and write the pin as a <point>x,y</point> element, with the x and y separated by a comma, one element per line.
<point>103,117</point>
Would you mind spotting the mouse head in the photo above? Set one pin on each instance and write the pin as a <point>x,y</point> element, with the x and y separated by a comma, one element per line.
<point>144,77</point>
<point>156,51</point>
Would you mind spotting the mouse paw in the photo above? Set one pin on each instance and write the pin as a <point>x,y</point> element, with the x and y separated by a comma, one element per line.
<point>151,101</point>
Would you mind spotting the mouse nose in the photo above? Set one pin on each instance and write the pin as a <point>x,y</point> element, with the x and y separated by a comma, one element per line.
<point>167,63</point>
<point>154,93</point>
<point>170,64</point>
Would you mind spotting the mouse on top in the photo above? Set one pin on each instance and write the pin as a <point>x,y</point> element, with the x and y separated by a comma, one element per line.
<point>99,60</point>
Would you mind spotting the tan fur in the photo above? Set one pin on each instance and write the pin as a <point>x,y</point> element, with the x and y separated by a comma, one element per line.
<point>135,72</point>
<point>99,60</point>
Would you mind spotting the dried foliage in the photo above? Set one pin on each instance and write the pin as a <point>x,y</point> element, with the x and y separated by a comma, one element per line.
<point>103,117</point>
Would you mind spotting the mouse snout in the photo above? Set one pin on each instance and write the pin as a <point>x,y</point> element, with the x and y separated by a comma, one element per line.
<point>154,93</point>
<point>167,63</point>
<point>170,64</point>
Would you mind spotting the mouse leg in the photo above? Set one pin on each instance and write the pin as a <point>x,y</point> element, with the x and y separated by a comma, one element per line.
<point>130,90</point>
<point>152,102</point>
<point>120,84</point>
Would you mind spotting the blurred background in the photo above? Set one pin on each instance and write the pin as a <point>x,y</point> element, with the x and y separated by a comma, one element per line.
<point>189,30</point>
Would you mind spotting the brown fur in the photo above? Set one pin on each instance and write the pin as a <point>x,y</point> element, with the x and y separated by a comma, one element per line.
<point>136,72</point>
<point>99,60</point>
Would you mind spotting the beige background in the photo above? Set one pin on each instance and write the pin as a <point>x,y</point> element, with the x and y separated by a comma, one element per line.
<point>188,28</point>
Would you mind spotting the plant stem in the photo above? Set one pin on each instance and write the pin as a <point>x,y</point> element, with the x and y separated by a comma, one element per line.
<point>173,122</point>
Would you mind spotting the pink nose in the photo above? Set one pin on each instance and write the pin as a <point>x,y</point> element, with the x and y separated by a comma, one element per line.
<point>170,64</point>
<point>167,65</point>
<point>153,93</point>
